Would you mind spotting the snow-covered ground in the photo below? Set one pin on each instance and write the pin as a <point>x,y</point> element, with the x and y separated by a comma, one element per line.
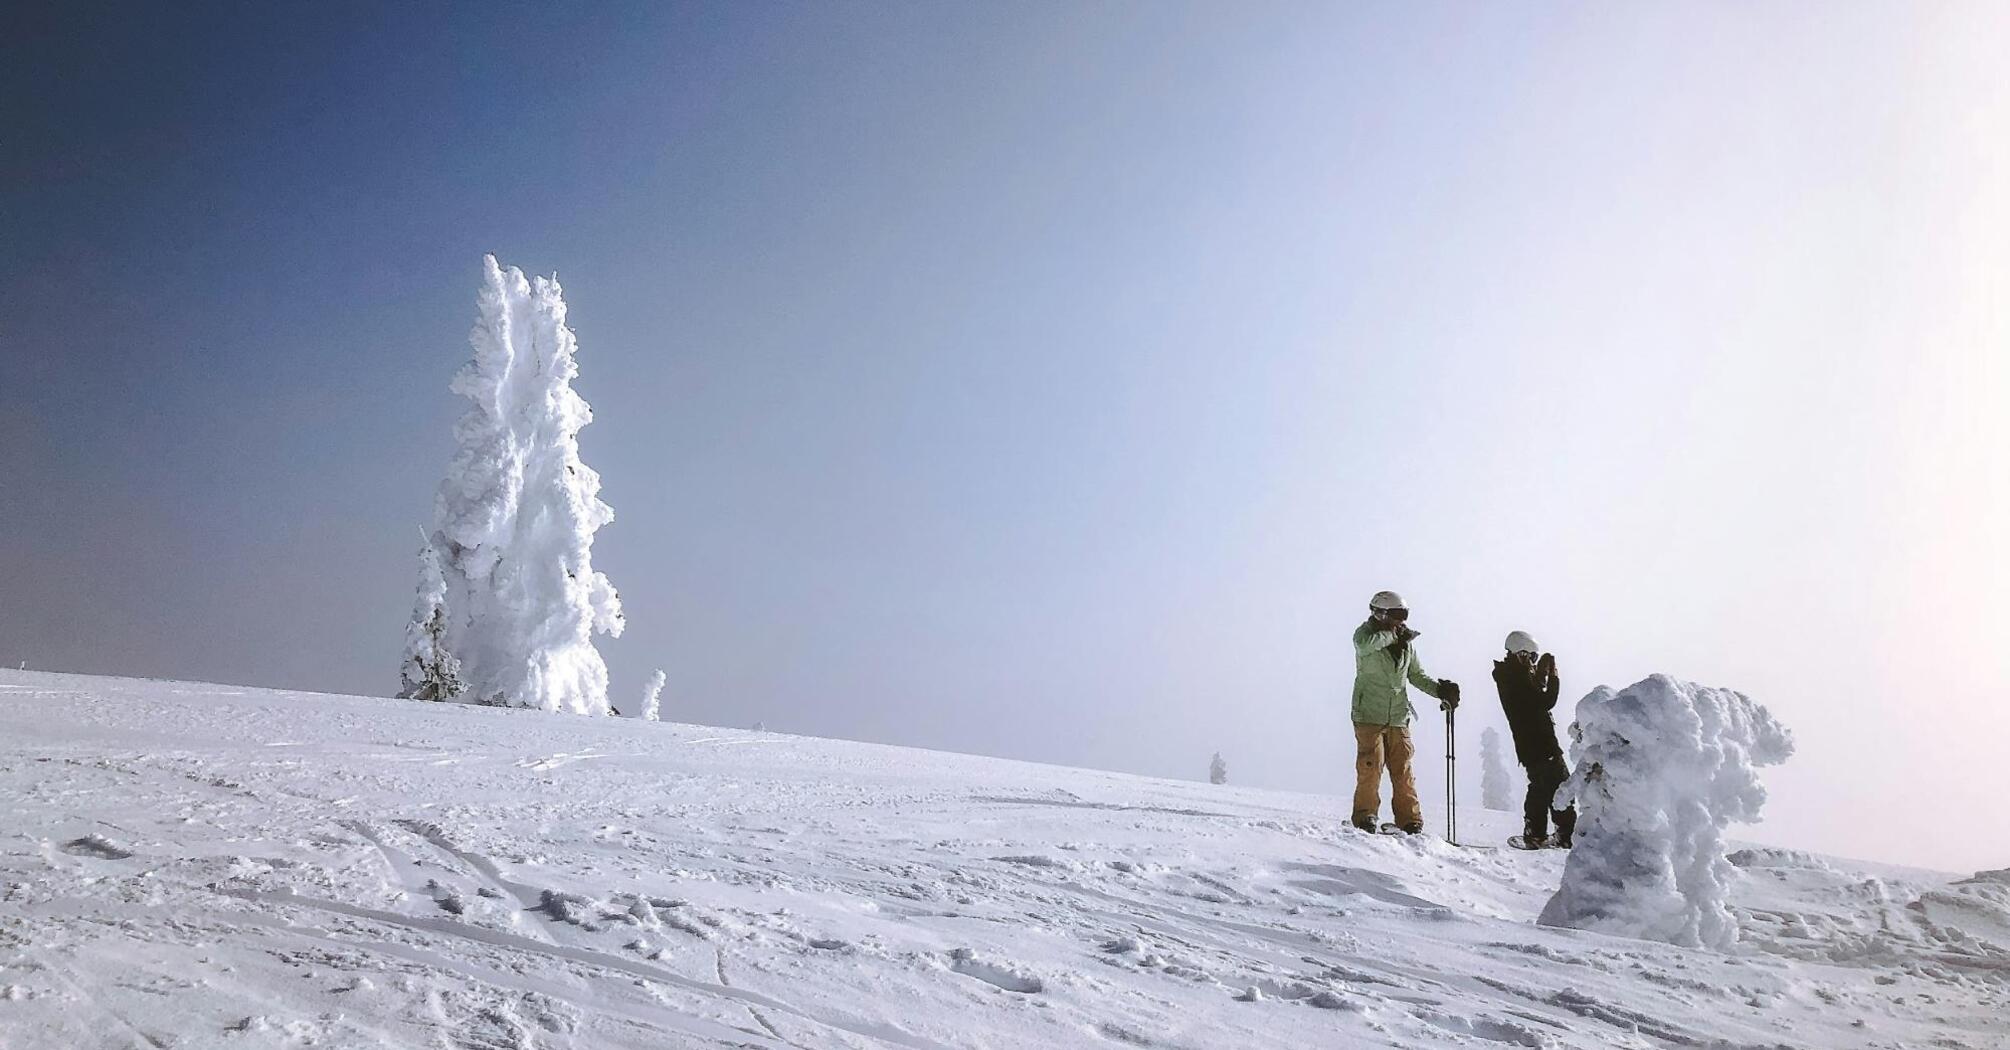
<point>207,866</point>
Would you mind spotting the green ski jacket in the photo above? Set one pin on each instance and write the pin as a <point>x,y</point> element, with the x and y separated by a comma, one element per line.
<point>1381,666</point>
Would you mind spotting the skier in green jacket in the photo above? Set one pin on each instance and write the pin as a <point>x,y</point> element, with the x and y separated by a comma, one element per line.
<point>1385,664</point>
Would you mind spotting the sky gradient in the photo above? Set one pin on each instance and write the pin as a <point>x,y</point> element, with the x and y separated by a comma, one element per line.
<point>1056,381</point>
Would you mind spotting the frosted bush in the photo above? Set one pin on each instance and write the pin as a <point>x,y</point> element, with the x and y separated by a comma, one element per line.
<point>652,696</point>
<point>430,672</point>
<point>1662,768</point>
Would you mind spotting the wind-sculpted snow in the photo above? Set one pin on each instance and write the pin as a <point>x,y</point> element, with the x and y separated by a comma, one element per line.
<point>197,866</point>
<point>1661,769</point>
<point>517,511</point>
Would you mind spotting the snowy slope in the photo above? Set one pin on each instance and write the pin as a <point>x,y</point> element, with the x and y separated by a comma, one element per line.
<point>205,866</point>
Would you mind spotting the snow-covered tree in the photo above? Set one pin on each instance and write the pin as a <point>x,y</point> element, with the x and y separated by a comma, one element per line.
<point>651,696</point>
<point>1217,770</point>
<point>516,513</point>
<point>1496,789</point>
<point>1663,767</point>
<point>431,671</point>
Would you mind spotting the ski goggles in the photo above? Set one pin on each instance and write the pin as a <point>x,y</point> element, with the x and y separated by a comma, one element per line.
<point>1398,615</point>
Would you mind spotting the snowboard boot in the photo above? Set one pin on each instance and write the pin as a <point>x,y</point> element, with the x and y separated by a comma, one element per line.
<point>1533,836</point>
<point>1365,824</point>
<point>1413,829</point>
<point>1566,823</point>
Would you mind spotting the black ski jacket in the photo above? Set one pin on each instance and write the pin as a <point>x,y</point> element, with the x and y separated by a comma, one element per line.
<point>1527,698</point>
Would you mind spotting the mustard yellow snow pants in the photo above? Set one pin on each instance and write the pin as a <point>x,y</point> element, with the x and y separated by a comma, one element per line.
<point>1376,746</point>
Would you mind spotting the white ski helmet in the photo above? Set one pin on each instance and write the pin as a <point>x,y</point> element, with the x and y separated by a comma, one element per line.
<point>1383,601</point>
<point>1520,642</point>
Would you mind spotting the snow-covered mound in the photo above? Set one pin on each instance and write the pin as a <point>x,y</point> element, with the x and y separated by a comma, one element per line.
<point>205,866</point>
<point>1662,768</point>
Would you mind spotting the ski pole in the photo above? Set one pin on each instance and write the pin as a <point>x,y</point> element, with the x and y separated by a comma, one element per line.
<point>1451,777</point>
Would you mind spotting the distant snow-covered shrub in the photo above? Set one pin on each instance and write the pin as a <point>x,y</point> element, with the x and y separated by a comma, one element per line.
<point>652,696</point>
<point>1496,790</point>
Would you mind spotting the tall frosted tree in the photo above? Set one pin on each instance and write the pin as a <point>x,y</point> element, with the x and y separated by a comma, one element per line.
<point>515,516</point>
<point>1217,770</point>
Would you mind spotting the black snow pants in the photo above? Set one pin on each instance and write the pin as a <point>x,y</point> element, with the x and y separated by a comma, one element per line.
<point>1544,778</point>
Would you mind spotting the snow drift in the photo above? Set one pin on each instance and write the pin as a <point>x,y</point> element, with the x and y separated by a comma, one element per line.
<point>1661,769</point>
<point>515,516</point>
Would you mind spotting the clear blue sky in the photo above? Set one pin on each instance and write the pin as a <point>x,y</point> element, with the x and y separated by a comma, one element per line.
<point>1054,381</point>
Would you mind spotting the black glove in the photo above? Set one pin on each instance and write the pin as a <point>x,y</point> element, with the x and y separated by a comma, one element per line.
<point>1448,694</point>
<point>1404,632</point>
<point>1546,665</point>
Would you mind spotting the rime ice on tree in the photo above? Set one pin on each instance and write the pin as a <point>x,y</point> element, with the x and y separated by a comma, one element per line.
<point>1662,767</point>
<point>516,513</point>
<point>430,671</point>
<point>1495,787</point>
<point>652,696</point>
<point>1217,770</point>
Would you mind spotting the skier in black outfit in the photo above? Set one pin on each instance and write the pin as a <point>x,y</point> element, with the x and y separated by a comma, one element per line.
<point>1528,686</point>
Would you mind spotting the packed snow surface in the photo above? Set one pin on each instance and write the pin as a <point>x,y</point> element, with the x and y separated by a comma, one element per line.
<point>1660,770</point>
<point>205,866</point>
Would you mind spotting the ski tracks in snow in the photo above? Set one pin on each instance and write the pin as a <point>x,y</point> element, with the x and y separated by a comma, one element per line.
<point>269,870</point>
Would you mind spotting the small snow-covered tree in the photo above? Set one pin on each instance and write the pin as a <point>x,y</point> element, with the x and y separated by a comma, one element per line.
<point>1663,767</point>
<point>1217,770</point>
<point>651,695</point>
<point>516,513</point>
<point>430,671</point>
<point>1496,789</point>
